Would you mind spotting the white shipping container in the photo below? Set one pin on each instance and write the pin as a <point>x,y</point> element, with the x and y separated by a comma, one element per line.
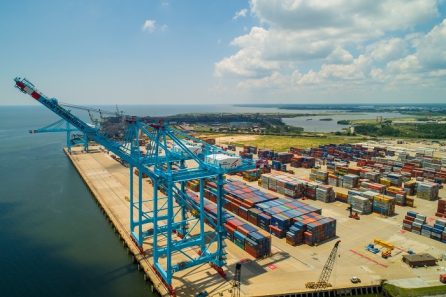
<point>194,148</point>
<point>223,160</point>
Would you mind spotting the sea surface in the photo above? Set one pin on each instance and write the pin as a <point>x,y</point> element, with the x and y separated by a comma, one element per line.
<point>54,241</point>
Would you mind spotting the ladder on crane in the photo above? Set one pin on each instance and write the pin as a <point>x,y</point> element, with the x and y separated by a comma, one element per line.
<point>323,283</point>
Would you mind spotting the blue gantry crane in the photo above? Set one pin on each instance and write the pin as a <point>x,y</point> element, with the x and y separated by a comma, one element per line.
<point>169,222</point>
<point>64,126</point>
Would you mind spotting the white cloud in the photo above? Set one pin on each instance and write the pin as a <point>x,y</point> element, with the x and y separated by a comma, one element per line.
<point>240,14</point>
<point>340,56</point>
<point>152,26</point>
<point>389,49</point>
<point>431,51</point>
<point>366,17</point>
<point>149,26</point>
<point>303,43</point>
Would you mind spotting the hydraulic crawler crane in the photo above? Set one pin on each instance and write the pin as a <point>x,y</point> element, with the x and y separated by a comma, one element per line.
<point>323,283</point>
<point>173,158</point>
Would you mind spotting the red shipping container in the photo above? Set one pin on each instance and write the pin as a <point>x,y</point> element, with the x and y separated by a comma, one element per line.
<point>242,230</point>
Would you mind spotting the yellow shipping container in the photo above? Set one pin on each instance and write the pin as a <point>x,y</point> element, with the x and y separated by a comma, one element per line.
<point>384,181</point>
<point>394,189</point>
<point>383,198</point>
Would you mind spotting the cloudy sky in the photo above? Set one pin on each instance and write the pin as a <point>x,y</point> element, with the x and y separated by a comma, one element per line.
<point>225,51</point>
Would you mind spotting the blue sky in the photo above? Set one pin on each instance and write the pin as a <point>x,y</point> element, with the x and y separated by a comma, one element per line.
<point>226,51</point>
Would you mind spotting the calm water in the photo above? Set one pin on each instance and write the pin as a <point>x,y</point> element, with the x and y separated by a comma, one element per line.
<point>54,240</point>
<point>314,124</point>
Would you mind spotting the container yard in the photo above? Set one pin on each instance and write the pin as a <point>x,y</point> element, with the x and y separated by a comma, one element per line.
<point>282,235</point>
<point>193,214</point>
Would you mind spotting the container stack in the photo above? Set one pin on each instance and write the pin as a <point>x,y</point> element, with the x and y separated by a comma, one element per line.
<point>263,165</point>
<point>257,245</point>
<point>426,230</point>
<point>409,220</point>
<point>342,197</point>
<point>368,194</point>
<point>332,180</point>
<point>282,215</point>
<point>352,193</point>
<point>398,194</point>
<point>272,214</point>
<point>310,190</point>
<point>303,161</point>
<point>251,175</point>
<point>263,221</point>
<point>297,161</point>
<point>276,165</point>
<point>248,238</point>
<point>410,187</point>
<point>295,235</point>
<point>309,162</point>
<point>395,179</point>
<point>325,194</point>
<point>284,157</point>
<point>247,196</point>
<point>384,205</point>
<point>244,235</point>
<point>372,176</point>
<point>320,176</point>
<point>350,181</point>
<point>285,184</point>
<point>385,181</point>
<point>438,229</point>
<point>378,188</point>
<point>315,228</point>
<point>250,149</point>
<point>360,204</point>
<point>280,224</point>
<point>265,154</point>
<point>193,185</point>
<point>416,223</point>
<point>441,208</point>
<point>427,190</point>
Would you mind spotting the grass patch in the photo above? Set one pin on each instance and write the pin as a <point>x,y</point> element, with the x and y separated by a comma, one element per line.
<point>283,143</point>
<point>395,291</point>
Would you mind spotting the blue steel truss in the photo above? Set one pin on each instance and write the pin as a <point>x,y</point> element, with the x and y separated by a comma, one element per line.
<point>169,222</point>
<point>64,126</point>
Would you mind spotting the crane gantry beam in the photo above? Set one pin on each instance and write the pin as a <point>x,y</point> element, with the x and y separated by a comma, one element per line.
<point>63,126</point>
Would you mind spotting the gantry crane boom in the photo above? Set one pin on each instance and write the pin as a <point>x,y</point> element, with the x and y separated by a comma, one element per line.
<point>63,126</point>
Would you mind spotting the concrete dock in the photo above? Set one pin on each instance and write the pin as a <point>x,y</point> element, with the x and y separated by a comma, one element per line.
<point>289,268</point>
